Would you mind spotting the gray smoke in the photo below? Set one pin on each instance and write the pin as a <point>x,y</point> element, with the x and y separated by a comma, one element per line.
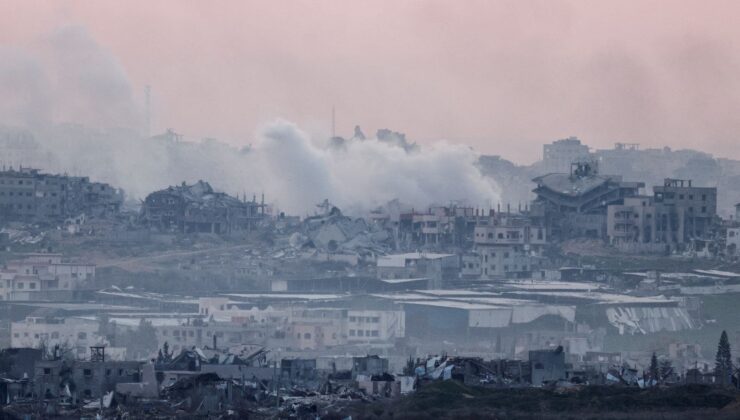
<point>75,98</point>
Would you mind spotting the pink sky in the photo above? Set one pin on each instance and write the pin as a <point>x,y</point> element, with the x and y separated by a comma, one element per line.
<point>502,76</point>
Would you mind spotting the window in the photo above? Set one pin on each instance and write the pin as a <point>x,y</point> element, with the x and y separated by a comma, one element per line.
<point>107,372</point>
<point>47,371</point>
<point>360,333</point>
<point>82,335</point>
<point>703,197</point>
<point>352,319</point>
<point>704,209</point>
<point>31,285</point>
<point>55,335</point>
<point>376,333</point>
<point>307,336</point>
<point>87,372</point>
<point>351,333</point>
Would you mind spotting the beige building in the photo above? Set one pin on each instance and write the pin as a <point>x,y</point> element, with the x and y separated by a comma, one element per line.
<point>43,277</point>
<point>508,248</point>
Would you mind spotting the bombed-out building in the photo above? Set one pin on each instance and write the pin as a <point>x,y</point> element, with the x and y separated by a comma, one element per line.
<point>675,214</point>
<point>199,208</point>
<point>29,195</point>
<point>575,204</point>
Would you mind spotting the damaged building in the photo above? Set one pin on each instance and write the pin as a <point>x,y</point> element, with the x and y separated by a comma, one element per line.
<point>198,208</point>
<point>29,195</point>
<point>675,214</point>
<point>575,203</point>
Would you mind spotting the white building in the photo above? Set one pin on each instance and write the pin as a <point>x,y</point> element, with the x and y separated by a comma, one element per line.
<point>508,248</point>
<point>558,156</point>
<point>438,268</point>
<point>48,328</point>
<point>372,326</point>
<point>43,276</point>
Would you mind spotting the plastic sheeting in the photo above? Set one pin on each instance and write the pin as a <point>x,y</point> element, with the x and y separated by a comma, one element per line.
<point>645,320</point>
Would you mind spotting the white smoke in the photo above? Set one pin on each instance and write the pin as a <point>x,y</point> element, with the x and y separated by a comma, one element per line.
<point>75,98</point>
<point>366,173</point>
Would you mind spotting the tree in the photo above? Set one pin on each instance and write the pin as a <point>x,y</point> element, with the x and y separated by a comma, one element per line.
<point>723,361</point>
<point>666,369</point>
<point>654,372</point>
<point>141,343</point>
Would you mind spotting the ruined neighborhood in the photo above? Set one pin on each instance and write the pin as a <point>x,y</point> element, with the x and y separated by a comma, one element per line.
<point>194,302</point>
<point>386,210</point>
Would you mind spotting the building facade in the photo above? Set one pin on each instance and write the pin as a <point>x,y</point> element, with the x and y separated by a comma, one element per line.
<point>29,195</point>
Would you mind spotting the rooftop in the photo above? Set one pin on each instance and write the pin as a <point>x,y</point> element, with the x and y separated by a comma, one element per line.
<point>399,260</point>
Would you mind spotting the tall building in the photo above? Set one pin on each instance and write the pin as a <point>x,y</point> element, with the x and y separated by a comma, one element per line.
<point>560,154</point>
<point>509,247</point>
<point>29,195</point>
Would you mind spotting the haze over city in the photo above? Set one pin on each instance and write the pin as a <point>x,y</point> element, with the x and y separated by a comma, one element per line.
<point>502,77</point>
<point>369,209</point>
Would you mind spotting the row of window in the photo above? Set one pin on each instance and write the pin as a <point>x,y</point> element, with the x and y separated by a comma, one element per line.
<point>54,335</point>
<point>364,333</point>
<point>20,285</point>
<point>369,319</point>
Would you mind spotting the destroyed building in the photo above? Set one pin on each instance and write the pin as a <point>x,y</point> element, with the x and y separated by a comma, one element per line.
<point>575,203</point>
<point>83,379</point>
<point>676,214</point>
<point>28,195</point>
<point>198,208</point>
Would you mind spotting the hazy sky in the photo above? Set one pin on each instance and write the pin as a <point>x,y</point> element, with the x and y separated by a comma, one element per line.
<point>502,76</point>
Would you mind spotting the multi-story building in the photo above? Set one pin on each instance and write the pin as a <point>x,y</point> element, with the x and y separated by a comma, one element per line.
<point>198,333</point>
<point>370,326</point>
<point>575,203</point>
<point>508,248</point>
<point>560,154</point>
<point>83,379</point>
<point>444,226</point>
<point>48,328</point>
<point>199,208</point>
<point>44,276</point>
<point>437,268</point>
<point>690,211</point>
<point>32,196</point>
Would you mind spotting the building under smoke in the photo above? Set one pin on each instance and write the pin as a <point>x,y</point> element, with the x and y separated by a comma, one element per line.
<point>29,195</point>
<point>198,208</point>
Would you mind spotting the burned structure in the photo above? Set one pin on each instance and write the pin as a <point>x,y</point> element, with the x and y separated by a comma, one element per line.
<point>199,208</point>
<point>575,204</point>
<point>675,214</point>
<point>29,195</point>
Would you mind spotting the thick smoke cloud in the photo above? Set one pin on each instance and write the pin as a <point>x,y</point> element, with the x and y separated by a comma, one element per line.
<point>367,173</point>
<point>77,101</point>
